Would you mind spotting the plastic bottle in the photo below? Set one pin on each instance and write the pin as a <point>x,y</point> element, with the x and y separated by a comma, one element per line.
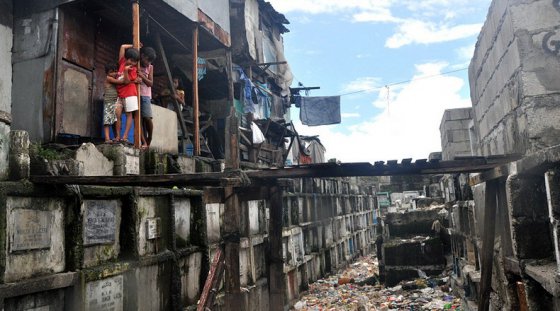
<point>189,148</point>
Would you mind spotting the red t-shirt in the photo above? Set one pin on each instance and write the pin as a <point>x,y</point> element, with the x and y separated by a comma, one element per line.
<point>127,90</point>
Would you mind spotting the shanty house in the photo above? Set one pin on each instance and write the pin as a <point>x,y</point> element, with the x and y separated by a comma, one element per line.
<point>262,81</point>
<point>61,47</point>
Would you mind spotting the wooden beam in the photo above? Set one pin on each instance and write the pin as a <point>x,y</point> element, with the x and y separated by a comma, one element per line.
<point>488,236</point>
<point>494,173</point>
<point>196,179</point>
<point>259,176</point>
<point>229,70</point>
<point>212,282</point>
<point>276,260</point>
<point>136,44</point>
<point>195,92</point>
<point>171,86</point>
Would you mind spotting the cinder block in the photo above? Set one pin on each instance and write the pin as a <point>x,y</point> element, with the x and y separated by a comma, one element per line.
<point>526,197</point>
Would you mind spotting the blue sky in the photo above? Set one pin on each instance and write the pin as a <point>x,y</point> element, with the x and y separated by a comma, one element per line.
<point>347,46</point>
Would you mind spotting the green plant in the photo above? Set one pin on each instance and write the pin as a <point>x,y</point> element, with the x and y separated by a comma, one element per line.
<point>38,150</point>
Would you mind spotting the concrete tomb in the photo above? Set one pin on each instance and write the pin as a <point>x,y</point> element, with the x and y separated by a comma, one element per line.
<point>31,230</point>
<point>99,222</point>
<point>105,295</point>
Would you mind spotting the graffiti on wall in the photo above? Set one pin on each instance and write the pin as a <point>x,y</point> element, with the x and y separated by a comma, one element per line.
<point>551,41</point>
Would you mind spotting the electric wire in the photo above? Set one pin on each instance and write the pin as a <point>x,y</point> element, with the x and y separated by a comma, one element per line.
<point>386,86</point>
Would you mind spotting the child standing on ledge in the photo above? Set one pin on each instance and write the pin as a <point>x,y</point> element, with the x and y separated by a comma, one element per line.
<point>128,93</point>
<point>111,103</point>
<point>147,56</point>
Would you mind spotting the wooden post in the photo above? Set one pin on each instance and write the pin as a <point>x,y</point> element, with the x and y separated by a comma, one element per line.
<point>276,264</point>
<point>171,86</point>
<point>229,69</point>
<point>196,141</point>
<point>232,222</point>
<point>136,44</point>
<point>488,235</point>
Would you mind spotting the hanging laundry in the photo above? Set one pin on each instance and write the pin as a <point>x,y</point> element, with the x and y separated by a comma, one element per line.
<point>246,91</point>
<point>316,151</point>
<point>264,100</point>
<point>202,68</point>
<point>320,110</point>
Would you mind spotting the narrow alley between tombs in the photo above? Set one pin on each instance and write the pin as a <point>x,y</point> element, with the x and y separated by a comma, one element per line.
<point>358,288</point>
<point>165,155</point>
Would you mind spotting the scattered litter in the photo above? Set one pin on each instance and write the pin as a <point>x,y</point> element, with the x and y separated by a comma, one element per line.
<point>357,288</point>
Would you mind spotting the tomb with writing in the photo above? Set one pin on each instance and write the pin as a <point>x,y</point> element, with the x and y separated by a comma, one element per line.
<point>99,222</point>
<point>31,229</point>
<point>105,295</point>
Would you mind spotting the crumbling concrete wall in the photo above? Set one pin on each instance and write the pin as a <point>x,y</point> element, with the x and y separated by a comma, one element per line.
<point>454,130</point>
<point>6,39</point>
<point>327,223</point>
<point>410,244</point>
<point>514,89</point>
<point>101,247</point>
<point>134,248</point>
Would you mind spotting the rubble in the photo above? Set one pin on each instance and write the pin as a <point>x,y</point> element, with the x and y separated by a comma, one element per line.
<point>357,288</point>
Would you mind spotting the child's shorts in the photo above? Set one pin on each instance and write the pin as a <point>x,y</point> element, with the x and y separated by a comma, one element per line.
<point>146,107</point>
<point>109,116</point>
<point>131,103</point>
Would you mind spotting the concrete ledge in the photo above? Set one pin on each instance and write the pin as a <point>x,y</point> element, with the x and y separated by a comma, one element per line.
<point>545,274</point>
<point>45,283</point>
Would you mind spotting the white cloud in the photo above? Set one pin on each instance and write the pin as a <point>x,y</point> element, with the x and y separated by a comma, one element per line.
<point>408,127</point>
<point>328,6</point>
<point>364,84</point>
<point>350,115</point>
<point>416,25</point>
<point>415,31</point>
<point>466,53</point>
<point>380,15</point>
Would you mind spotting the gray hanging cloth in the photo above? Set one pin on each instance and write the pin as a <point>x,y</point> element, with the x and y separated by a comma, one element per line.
<point>320,110</point>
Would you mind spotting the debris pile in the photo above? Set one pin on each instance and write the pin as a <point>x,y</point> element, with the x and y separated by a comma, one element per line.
<point>358,288</point>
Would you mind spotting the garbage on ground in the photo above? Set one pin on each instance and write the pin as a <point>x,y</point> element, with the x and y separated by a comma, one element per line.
<point>357,288</point>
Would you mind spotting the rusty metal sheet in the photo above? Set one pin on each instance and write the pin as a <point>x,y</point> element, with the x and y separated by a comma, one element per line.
<point>216,30</point>
<point>78,38</point>
<point>75,100</point>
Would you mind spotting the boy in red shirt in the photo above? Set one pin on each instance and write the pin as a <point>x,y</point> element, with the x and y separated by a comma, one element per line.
<point>128,92</point>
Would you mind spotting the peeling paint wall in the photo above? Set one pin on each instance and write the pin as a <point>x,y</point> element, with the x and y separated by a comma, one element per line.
<point>33,70</point>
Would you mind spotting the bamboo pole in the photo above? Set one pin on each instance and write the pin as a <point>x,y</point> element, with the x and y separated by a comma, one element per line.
<point>136,44</point>
<point>196,141</point>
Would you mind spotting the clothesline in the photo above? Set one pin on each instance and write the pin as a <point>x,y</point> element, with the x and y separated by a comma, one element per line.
<point>403,82</point>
